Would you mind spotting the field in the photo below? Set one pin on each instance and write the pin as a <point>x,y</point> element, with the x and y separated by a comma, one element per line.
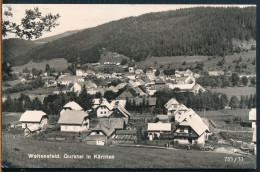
<point>241,136</point>
<point>58,64</point>
<point>15,154</point>
<point>235,91</point>
<point>9,117</point>
<point>210,63</point>
<point>39,92</point>
<point>220,116</point>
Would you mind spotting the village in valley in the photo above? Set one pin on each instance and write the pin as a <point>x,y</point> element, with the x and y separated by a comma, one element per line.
<point>127,109</point>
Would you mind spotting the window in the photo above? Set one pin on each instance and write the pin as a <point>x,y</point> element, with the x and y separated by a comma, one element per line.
<point>101,112</point>
<point>97,132</point>
<point>181,129</point>
<point>105,112</point>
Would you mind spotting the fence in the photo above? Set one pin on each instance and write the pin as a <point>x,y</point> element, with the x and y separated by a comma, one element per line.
<point>155,142</point>
<point>12,136</point>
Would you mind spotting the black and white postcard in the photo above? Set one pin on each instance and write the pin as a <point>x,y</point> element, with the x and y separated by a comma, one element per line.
<point>129,86</point>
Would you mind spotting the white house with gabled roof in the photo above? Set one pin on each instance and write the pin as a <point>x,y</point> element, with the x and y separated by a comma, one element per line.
<point>34,117</point>
<point>171,106</point>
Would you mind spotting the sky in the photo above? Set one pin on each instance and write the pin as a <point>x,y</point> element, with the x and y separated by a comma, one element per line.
<point>81,16</point>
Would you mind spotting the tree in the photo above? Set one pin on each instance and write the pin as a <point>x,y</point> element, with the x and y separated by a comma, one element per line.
<point>253,81</point>
<point>6,70</point>
<point>234,102</point>
<point>234,79</point>
<point>85,99</point>
<point>244,80</point>
<point>109,95</point>
<point>33,25</point>
<point>37,104</point>
<point>157,73</point>
<point>123,62</point>
<point>223,101</point>
<point>47,68</point>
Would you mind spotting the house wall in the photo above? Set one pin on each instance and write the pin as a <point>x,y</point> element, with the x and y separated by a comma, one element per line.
<point>102,112</point>
<point>72,128</point>
<point>97,133</point>
<point>200,140</point>
<point>26,124</point>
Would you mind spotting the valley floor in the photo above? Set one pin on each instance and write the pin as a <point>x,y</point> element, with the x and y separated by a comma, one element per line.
<point>15,154</point>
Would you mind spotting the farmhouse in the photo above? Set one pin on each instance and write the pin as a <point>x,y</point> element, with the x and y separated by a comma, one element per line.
<point>34,117</point>
<point>156,129</point>
<point>171,106</point>
<point>73,120</point>
<point>163,118</point>
<point>104,109</point>
<point>192,130</point>
<point>71,106</point>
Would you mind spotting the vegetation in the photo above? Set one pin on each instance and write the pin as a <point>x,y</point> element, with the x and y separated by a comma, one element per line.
<point>215,28</point>
<point>14,156</point>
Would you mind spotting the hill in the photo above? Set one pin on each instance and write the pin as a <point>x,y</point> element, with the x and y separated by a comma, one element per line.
<point>199,31</point>
<point>14,47</point>
<point>52,38</point>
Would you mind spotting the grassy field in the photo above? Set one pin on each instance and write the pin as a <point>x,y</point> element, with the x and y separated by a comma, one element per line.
<point>235,91</point>
<point>41,93</point>
<point>58,64</point>
<point>220,116</point>
<point>9,117</point>
<point>15,154</point>
<point>241,136</point>
<point>210,63</point>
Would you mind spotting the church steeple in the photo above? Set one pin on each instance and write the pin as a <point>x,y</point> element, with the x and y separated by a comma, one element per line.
<point>78,62</point>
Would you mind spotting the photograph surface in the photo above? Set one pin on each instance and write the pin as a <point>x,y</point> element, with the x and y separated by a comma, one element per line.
<point>128,86</point>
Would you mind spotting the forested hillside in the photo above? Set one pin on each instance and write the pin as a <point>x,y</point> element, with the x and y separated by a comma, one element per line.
<point>194,31</point>
<point>14,47</point>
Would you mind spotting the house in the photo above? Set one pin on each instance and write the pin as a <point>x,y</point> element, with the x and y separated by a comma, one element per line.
<point>31,129</point>
<point>163,118</point>
<point>80,72</point>
<point>185,80</point>
<point>171,106</point>
<point>131,70</point>
<point>74,121</point>
<point>78,86</point>
<point>178,114</point>
<point>216,73</point>
<point>120,112</point>
<point>181,115</point>
<point>33,117</point>
<point>67,80</point>
<point>139,71</point>
<point>192,130</point>
<point>72,106</point>
<point>252,117</point>
<point>156,129</point>
<point>188,72</point>
<point>104,109</point>
<point>100,133</point>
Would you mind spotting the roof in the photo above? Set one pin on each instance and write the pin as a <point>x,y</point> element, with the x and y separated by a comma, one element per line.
<point>73,106</point>
<point>252,114</point>
<point>162,117</point>
<point>95,137</point>
<point>72,117</point>
<point>32,116</point>
<point>182,107</point>
<point>105,126</point>
<point>159,81</point>
<point>117,123</point>
<point>172,101</point>
<point>106,103</point>
<point>196,123</point>
<point>126,132</point>
<point>159,126</point>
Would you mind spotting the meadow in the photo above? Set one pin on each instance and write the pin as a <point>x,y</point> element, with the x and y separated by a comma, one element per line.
<point>235,91</point>
<point>15,154</point>
<point>58,64</point>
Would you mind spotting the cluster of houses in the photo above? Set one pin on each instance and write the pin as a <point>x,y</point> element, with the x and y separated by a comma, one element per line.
<point>113,118</point>
<point>144,83</point>
<point>189,128</point>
